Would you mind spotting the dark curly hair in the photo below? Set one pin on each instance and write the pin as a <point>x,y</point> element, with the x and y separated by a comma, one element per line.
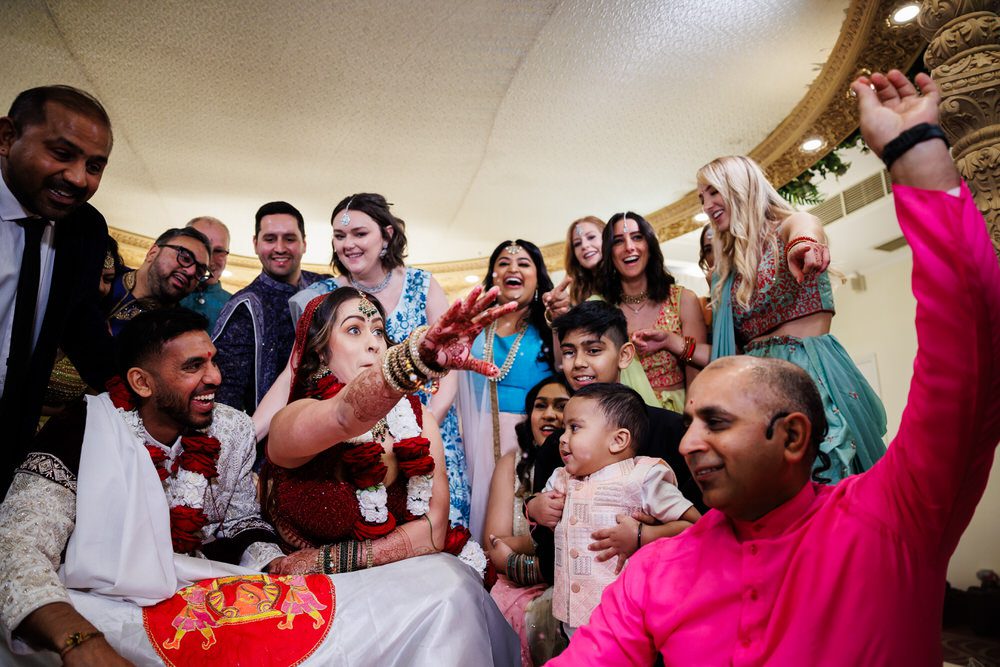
<point>377,208</point>
<point>658,279</point>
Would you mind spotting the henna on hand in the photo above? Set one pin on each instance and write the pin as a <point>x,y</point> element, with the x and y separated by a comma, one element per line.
<point>303,561</point>
<point>448,342</point>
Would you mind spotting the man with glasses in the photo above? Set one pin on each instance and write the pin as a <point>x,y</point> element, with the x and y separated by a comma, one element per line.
<point>209,297</point>
<point>175,264</point>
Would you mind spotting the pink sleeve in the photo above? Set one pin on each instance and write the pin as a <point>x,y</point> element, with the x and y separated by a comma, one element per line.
<point>616,633</point>
<point>937,467</point>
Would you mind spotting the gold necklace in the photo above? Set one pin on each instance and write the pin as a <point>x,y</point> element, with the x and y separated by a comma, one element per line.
<point>637,299</point>
<point>508,363</point>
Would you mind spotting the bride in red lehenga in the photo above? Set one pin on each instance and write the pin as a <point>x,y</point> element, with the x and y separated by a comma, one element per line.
<point>355,475</point>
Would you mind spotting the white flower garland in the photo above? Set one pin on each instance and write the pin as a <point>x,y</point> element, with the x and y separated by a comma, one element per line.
<point>373,501</point>
<point>473,555</point>
<point>185,487</point>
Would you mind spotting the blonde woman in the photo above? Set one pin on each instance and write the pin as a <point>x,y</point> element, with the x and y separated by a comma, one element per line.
<point>771,297</point>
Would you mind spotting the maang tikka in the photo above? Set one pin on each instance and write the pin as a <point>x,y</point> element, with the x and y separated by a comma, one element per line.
<point>345,218</point>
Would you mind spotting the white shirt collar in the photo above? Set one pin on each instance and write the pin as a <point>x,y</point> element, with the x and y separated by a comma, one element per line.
<point>10,207</point>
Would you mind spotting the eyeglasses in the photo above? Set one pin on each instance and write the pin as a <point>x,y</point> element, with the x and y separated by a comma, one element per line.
<point>186,258</point>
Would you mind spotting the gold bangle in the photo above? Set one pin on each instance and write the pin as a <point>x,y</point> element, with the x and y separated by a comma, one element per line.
<point>388,371</point>
<point>413,347</point>
<point>77,638</point>
<point>369,555</point>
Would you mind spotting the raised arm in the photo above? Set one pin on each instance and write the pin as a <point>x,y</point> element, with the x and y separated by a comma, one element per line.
<point>938,465</point>
<point>306,427</point>
<point>440,403</point>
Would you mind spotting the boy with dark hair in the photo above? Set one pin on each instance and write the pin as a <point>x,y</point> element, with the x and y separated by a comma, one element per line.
<point>594,347</point>
<point>602,481</point>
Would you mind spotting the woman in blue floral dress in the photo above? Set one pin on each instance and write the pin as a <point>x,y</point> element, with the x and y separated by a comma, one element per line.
<point>369,244</point>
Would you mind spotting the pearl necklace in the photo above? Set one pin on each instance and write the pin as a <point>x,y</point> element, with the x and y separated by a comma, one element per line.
<point>372,290</point>
<point>508,363</point>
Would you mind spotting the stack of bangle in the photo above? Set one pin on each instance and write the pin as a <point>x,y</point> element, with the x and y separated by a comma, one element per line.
<point>689,347</point>
<point>346,557</point>
<point>523,569</point>
<point>801,239</point>
<point>405,371</point>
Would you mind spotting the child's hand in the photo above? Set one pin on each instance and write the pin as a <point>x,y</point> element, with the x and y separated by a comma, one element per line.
<point>617,541</point>
<point>499,551</point>
<point>546,509</point>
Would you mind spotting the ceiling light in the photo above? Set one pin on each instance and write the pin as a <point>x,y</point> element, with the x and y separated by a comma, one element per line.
<point>905,14</point>
<point>812,145</point>
<point>701,217</point>
<point>471,279</point>
<point>227,274</point>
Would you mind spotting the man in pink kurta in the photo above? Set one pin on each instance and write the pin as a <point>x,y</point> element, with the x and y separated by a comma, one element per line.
<point>852,574</point>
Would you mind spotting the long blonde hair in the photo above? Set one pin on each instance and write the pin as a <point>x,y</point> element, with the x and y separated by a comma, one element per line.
<point>754,208</point>
<point>584,280</point>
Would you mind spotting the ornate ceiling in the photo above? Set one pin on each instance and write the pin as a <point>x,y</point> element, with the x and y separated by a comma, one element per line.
<point>481,120</point>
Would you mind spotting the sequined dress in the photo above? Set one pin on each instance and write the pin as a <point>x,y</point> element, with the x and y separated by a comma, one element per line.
<point>410,313</point>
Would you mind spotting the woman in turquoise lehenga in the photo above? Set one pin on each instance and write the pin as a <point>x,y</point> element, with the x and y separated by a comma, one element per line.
<point>369,244</point>
<point>771,297</point>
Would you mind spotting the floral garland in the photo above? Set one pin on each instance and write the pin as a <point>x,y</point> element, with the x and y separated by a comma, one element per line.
<point>362,457</point>
<point>185,480</point>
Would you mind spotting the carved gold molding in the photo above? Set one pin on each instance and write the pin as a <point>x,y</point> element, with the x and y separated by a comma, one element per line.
<point>867,42</point>
<point>964,59</point>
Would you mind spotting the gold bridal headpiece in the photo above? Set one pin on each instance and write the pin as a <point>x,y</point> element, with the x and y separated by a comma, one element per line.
<point>366,307</point>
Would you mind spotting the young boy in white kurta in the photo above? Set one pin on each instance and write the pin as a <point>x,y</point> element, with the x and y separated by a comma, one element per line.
<point>602,479</point>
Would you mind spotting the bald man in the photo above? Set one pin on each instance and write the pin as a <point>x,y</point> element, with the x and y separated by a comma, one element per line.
<point>209,297</point>
<point>785,571</point>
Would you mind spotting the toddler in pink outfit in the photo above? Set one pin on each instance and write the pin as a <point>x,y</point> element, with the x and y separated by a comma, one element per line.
<point>603,481</point>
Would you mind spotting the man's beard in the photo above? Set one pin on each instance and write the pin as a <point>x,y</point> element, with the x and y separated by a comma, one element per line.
<point>177,408</point>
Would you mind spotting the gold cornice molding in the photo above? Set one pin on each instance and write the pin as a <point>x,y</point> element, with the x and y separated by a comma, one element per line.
<point>867,42</point>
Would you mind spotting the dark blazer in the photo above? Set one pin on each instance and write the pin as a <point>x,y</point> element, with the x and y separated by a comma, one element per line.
<point>73,321</point>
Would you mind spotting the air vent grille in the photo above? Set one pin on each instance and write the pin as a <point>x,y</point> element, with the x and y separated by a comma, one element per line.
<point>894,244</point>
<point>858,195</point>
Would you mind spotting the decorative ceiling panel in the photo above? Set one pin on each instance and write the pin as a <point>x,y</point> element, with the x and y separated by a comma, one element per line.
<point>481,120</point>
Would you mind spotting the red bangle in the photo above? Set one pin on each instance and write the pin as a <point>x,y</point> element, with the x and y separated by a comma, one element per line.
<point>689,347</point>
<point>801,239</point>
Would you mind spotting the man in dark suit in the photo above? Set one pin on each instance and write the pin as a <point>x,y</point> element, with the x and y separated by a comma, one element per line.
<point>54,145</point>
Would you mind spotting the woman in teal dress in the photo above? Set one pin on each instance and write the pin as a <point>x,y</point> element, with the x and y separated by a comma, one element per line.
<point>369,244</point>
<point>520,343</point>
<point>771,297</point>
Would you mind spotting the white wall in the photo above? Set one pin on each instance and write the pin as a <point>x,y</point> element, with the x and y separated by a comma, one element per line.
<point>879,322</point>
